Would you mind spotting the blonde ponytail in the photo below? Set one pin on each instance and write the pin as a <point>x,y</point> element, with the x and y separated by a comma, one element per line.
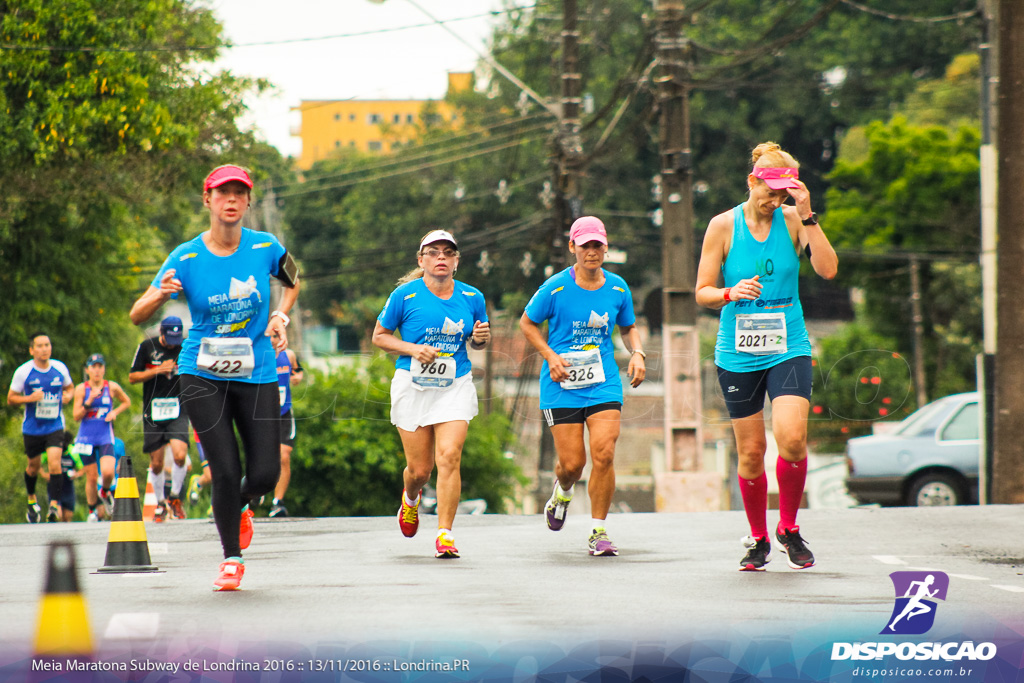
<point>773,156</point>
<point>414,274</point>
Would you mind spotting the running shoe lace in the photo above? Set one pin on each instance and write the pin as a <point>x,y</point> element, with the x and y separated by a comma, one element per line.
<point>410,513</point>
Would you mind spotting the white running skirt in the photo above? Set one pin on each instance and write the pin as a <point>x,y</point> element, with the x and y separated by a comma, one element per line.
<point>412,409</point>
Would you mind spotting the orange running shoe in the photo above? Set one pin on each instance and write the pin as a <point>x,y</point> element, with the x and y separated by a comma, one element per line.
<point>445,547</point>
<point>245,529</point>
<point>177,512</point>
<point>409,517</point>
<point>231,572</point>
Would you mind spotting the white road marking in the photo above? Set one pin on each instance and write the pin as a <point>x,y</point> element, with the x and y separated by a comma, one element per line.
<point>969,577</point>
<point>888,559</point>
<point>1012,589</point>
<point>133,626</point>
<point>158,549</point>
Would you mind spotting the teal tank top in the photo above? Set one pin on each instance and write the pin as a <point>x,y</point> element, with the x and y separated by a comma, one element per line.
<point>764,341</point>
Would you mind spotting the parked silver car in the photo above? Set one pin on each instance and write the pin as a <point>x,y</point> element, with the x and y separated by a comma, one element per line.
<point>931,458</point>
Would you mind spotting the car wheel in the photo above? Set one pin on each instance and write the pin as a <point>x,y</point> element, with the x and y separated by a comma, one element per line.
<point>936,488</point>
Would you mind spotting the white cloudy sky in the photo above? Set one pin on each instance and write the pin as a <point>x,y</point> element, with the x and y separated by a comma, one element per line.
<point>404,64</point>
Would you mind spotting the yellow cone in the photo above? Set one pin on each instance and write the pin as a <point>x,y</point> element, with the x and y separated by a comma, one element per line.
<point>127,547</point>
<point>63,627</point>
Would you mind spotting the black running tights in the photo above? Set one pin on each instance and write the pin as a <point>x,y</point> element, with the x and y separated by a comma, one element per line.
<point>216,408</point>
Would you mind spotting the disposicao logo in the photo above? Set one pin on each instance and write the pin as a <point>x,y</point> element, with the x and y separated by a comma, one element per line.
<point>916,592</point>
<point>914,614</point>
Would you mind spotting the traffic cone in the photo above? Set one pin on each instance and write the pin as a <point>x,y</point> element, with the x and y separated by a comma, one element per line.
<point>127,548</point>
<point>149,504</point>
<point>63,628</point>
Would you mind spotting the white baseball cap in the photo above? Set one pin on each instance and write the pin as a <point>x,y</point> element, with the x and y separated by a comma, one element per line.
<point>437,236</point>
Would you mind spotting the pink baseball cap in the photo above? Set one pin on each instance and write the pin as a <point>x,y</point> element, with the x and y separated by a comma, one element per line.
<point>588,229</point>
<point>225,174</point>
<point>777,178</point>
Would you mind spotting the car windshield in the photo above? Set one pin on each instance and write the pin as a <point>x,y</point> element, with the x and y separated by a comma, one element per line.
<point>924,420</point>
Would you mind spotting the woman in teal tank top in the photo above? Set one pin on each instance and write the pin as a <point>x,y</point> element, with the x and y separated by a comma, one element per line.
<point>762,344</point>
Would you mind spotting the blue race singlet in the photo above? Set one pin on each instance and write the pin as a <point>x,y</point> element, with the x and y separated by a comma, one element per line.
<point>755,335</point>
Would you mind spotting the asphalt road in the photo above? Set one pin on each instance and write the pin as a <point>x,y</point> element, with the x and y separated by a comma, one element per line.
<point>335,588</point>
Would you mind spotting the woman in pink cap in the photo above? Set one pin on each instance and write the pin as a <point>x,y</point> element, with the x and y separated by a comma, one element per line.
<point>227,365</point>
<point>579,381</point>
<point>762,344</point>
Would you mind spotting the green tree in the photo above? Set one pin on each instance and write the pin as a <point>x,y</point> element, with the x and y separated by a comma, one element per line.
<point>914,195</point>
<point>349,460</point>
<point>109,125</point>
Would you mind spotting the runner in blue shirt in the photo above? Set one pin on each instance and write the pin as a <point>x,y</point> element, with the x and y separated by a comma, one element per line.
<point>433,397</point>
<point>94,408</point>
<point>227,366</point>
<point>289,372</point>
<point>762,342</point>
<point>579,380</point>
<point>43,386</point>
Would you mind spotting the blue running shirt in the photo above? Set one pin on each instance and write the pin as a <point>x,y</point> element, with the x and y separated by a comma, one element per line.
<point>284,380</point>
<point>776,261</point>
<point>579,320</point>
<point>27,378</point>
<point>421,317</point>
<point>95,429</point>
<point>228,296</point>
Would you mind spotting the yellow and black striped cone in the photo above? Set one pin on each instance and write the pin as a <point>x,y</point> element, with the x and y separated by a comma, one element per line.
<point>127,547</point>
<point>63,628</point>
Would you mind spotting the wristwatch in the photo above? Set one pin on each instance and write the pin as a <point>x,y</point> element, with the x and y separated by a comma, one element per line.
<point>284,318</point>
<point>810,220</point>
<point>641,352</point>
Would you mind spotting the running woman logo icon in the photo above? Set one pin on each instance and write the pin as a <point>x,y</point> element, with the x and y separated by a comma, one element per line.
<point>597,321</point>
<point>243,290</point>
<point>914,611</point>
<point>451,327</point>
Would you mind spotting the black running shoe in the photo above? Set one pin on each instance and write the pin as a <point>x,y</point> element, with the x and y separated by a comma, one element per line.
<point>759,551</point>
<point>54,513</point>
<point>797,553</point>
<point>34,513</point>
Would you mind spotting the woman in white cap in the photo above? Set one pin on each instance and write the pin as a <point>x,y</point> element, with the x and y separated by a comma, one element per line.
<point>762,344</point>
<point>579,381</point>
<point>228,363</point>
<point>433,397</point>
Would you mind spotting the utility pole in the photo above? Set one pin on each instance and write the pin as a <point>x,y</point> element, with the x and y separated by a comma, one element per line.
<point>272,224</point>
<point>917,314</point>
<point>680,485</point>
<point>988,164</point>
<point>1008,460</point>
<point>568,143</point>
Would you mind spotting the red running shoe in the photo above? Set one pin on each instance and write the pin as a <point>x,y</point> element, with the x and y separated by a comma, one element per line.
<point>409,517</point>
<point>245,529</point>
<point>444,547</point>
<point>231,572</point>
<point>177,512</point>
<point>160,514</point>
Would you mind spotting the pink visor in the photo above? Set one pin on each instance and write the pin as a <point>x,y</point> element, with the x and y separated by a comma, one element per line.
<point>588,229</point>
<point>777,178</point>
<point>225,174</point>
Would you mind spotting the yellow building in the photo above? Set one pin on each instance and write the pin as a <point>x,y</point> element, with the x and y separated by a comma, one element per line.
<point>375,126</point>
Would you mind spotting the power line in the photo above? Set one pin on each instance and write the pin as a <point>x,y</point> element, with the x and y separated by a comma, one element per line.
<point>268,43</point>
<point>959,16</point>
<point>421,151</point>
<point>421,167</point>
